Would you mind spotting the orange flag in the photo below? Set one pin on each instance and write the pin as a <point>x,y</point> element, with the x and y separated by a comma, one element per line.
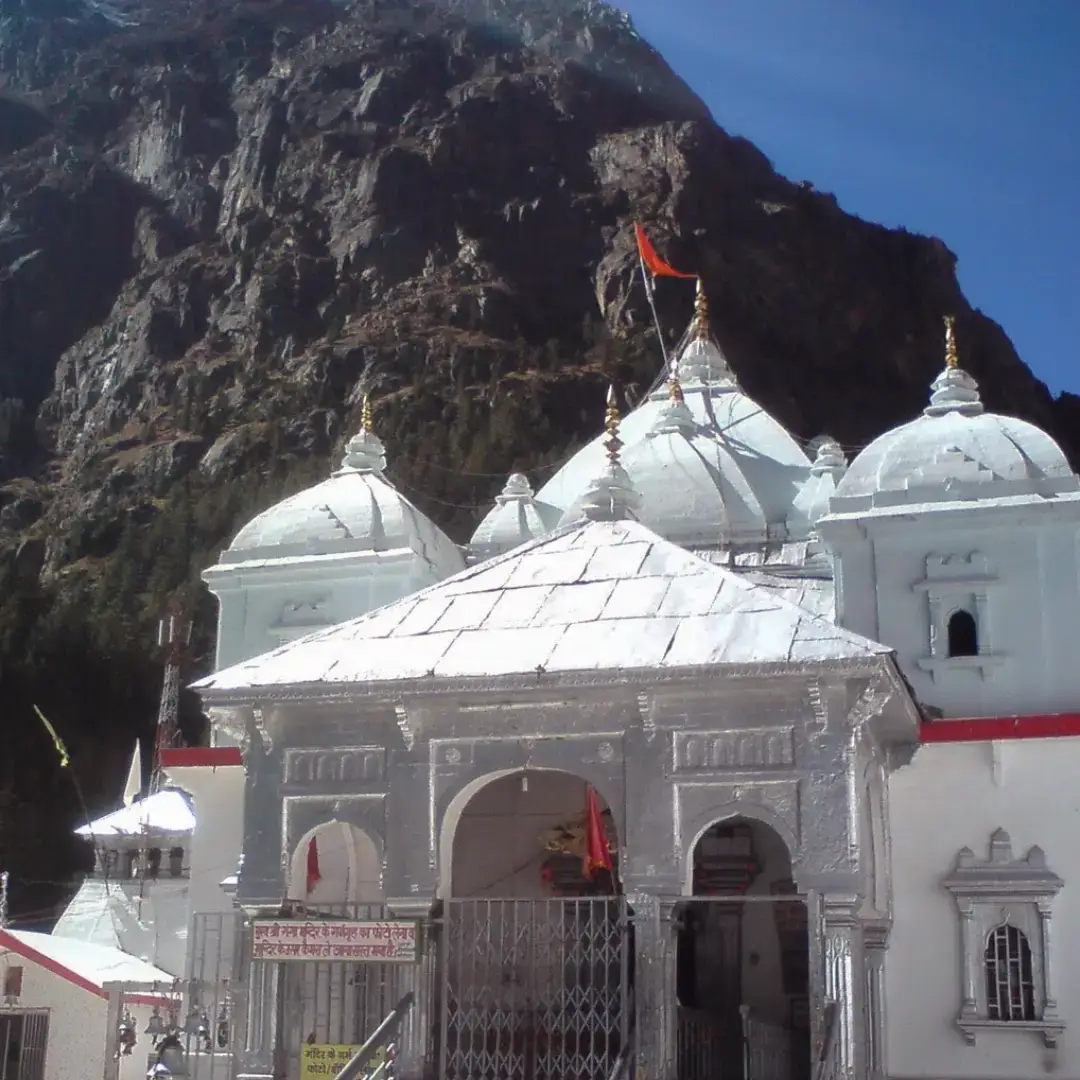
<point>314,876</point>
<point>653,263</point>
<point>597,852</point>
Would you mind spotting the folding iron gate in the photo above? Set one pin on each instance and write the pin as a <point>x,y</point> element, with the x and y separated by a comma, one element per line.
<point>24,1036</point>
<point>533,989</point>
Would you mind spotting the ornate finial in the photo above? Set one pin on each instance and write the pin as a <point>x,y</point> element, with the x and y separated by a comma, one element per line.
<point>674,386</point>
<point>613,444</point>
<point>364,452</point>
<point>952,358</point>
<point>701,313</point>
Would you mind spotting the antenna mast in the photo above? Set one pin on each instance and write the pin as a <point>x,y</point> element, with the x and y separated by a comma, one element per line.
<point>174,636</point>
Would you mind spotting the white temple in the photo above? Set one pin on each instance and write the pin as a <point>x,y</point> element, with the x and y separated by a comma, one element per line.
<point>831,709</point>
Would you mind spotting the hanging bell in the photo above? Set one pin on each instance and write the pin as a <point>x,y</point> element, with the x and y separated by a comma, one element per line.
<point>125,1034</point>
<point>155,1026</point>
<point>194,1021</point>
<point>222,1027</point>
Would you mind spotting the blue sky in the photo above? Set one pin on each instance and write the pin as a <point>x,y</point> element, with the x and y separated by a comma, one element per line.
<point>953,118</point>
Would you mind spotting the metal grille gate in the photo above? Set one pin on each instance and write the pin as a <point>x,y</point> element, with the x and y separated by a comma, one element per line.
<point>24,1035</point>
<point>533,989</point>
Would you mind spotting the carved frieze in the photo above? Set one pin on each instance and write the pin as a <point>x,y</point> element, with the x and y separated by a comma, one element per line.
<point>341,766</point>
<point>776,802</point>
<point>743,748</point>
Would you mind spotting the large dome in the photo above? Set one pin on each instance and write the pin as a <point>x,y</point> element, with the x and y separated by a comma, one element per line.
<point>954,452</point>
<point>356,510</point>
<point>711,466</point>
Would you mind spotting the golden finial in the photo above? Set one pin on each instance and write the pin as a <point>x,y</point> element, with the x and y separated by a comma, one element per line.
<point>613,444</point>
<point>952,359</point>
<point>674,386</point>
<point>701,313</point>
<point>365,414</point>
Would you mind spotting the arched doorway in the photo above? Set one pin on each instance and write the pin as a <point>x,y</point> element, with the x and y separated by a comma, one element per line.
<point>335,864</point>
<point>535,956</point>
<point>742,970</point>
<point>335,873</point>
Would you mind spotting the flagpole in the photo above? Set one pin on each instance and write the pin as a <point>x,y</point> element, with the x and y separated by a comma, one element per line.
<point>65,763</point>
<point>652,308</point>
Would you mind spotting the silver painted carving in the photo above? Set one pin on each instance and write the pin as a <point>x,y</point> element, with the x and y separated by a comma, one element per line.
<point>747,748</point>
<point>1007,898</point>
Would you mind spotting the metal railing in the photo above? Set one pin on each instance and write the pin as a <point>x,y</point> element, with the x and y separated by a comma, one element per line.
<point>766,1048</point>
<point>380,1044</point>
<point>828,1062</point>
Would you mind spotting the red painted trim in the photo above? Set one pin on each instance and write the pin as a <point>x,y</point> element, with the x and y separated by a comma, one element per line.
<point>54,967</point>
<point>992,728</point>
<point>9,941</point>
<point>195,757</point>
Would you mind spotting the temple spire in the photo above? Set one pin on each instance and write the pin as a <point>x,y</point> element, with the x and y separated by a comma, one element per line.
<point>611,495</point>
<point>700,328</point>
<point>952,357</point>
<point>954,390</point>
<point>612,443</point>
<point>365,451</point>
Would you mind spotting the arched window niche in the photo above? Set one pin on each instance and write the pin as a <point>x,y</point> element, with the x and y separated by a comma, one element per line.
<point>1004,904</point>
<point>963,634</point>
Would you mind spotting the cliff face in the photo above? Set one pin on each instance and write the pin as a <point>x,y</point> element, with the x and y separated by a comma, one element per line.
<point>221,221</point>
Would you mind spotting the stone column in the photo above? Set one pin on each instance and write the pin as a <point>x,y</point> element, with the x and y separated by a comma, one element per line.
<point>876,942</point>
<point>414,1054</point>
<point>845,982</point>
<point>654,984</point>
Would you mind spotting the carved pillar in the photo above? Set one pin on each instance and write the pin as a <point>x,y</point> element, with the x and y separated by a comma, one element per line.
<point>1049,994</point>
<point>969,949</point>
<point>876,942</point>
<point>418,1044</point>
<point>654,984</point>
<point>845,982</point>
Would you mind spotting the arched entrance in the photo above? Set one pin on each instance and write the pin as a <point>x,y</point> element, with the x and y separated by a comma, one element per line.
<point>742,972</point>
<point>335,873</point>
<point>335,864</point>
<point>535,957</point>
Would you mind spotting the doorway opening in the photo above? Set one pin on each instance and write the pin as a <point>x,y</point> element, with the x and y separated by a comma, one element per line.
<point>534,952</point>
<point>742,969</point>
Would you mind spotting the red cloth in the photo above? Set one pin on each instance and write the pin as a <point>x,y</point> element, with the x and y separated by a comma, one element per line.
<point>653,263</point>
<point>313,874</point>
<point>597,853</point>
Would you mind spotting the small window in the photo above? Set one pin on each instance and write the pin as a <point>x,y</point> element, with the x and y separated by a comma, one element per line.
<point>1010,986</point>
<point>963,635</point>
<point>176,861</point>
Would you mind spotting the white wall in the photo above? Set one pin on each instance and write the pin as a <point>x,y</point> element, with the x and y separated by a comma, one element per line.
<point>945,800</point>
<point>256,606</point>
<point>218,837</point>
<point>1032,616</point>
<point>78,1025</point>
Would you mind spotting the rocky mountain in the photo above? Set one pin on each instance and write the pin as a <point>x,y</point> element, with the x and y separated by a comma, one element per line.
<point>222,221</point>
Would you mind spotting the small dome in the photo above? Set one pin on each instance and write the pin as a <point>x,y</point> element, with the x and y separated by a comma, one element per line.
<point>955,451</point>
<point>515,519</point>
<point>357,509</point>
<point>710,465</point>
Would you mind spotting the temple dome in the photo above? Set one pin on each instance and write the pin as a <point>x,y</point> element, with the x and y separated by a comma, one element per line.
<point>355,510</point>
<point>710,465</point>
<point>515,519</point>
<point>955,451</point>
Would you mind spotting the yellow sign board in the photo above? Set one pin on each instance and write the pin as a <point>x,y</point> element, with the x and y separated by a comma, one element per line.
<point>321,1060</point>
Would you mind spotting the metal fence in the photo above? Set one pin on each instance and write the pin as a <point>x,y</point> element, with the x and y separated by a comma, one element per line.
<point>533,989</point>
